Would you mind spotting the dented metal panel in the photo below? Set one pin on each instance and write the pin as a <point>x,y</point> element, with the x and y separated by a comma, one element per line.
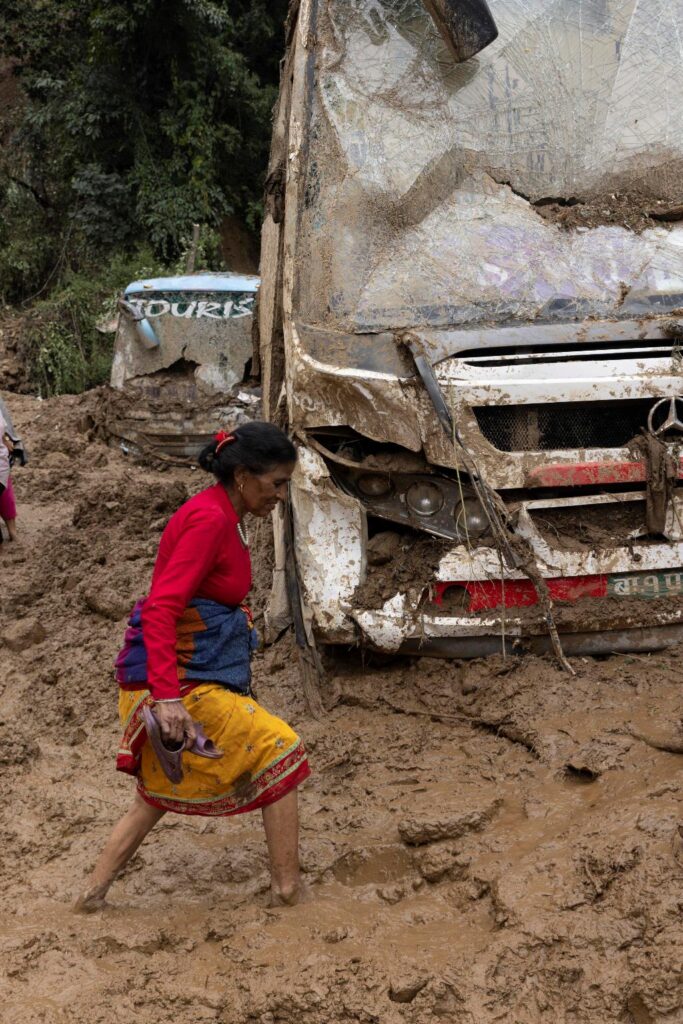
<point>405,617</point>
<point>388,407</point>
<point>395,629</point>
<point>383,234</point>
<point>330,545</point>
<point>376,404</point>
<point>423,178</point>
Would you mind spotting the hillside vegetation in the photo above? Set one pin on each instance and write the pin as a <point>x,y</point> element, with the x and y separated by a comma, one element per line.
<point>122,125</point>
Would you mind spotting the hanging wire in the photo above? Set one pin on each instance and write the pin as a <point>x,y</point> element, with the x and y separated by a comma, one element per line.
<point>519,555</point>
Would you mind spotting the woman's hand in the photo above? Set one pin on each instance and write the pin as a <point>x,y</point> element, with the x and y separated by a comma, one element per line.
<point>8,443</point>
<point>175,722</point>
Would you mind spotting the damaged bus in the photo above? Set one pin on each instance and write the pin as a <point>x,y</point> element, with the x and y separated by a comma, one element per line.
<point>471,316</point>
<point>183,362</point>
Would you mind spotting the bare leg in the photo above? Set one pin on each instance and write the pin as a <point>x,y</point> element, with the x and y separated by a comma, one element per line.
<point>11,525</point>
<point>281,822</point>
<point>124,840</point>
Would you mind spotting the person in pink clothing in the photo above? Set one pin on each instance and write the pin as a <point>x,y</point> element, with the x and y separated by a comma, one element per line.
<point>8,452</point>
<point>5,442</point>
<point>8,509</point>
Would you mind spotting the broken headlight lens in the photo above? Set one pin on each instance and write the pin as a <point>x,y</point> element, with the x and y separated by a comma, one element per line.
<point>424,498</point>
<point>374,485</point>
<point>471,519</point>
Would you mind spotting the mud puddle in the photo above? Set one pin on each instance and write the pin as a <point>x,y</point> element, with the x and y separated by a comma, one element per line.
<point>522,863</point>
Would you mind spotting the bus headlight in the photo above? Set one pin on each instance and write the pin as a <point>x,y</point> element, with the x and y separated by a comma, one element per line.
<point>374,485</point>
<point>471,519</point>
<point>424,498</point>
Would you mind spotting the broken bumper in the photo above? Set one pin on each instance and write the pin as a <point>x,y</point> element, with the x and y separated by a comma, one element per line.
<point>395,630</point>
<point>624,594</point>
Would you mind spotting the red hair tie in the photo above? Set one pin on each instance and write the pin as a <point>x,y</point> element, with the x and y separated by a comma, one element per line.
<point>222,439</point>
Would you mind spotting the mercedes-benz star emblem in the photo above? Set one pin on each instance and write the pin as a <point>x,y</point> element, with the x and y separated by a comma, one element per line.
<point>666,416</point>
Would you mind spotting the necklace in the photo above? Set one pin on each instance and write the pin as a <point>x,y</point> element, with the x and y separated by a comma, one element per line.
<point>243,535</point>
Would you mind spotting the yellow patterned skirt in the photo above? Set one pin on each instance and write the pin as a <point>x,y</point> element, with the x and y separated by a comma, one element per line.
<point>263,757</point>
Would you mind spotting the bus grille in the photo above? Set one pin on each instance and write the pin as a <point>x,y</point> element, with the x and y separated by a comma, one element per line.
<point>563,425</point>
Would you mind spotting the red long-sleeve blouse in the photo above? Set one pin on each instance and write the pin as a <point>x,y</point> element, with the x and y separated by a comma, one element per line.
<point>200,555</point>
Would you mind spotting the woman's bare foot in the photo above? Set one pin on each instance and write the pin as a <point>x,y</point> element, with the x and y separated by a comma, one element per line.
<point>289,896</point>
<point>92,900</point>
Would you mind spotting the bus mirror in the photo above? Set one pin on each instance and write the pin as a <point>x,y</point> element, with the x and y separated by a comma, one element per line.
<point>143,328</point>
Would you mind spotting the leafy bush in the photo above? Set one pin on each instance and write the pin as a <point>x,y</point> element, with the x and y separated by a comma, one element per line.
<point>63,365</point>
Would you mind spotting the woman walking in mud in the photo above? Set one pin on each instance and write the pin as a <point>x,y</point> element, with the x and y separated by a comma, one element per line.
<point>194,736</point>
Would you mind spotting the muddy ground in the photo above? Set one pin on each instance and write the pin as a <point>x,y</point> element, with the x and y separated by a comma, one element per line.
<point>484,842</point>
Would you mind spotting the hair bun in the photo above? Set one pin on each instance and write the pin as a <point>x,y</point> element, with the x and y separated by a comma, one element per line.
<point>207,456</point>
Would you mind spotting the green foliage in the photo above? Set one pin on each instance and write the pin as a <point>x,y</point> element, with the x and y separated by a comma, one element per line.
<point>208,254</point>
<point>134,120</point>
<point>62,367</point>
<point>28,249</point>
<point>64,351</point>
<point>141,117</point>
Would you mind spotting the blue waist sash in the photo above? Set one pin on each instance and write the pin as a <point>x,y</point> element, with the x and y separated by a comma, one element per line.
<point>214,644</point>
